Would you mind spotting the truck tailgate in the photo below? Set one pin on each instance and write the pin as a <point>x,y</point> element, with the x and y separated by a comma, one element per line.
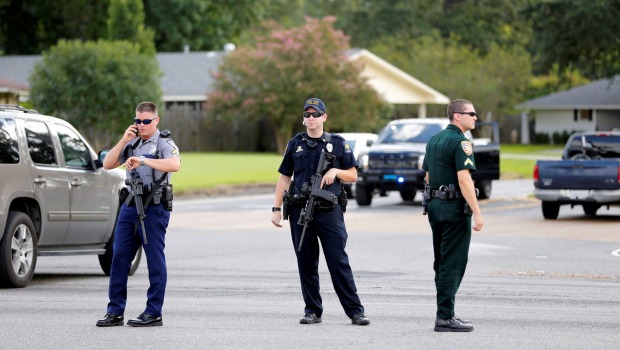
<point>578,174</point>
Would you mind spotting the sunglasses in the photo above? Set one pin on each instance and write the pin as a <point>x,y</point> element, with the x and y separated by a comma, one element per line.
<point>310,143</point>
<point>143,121</point>
<point>312,114</point>
<point>471,114</point>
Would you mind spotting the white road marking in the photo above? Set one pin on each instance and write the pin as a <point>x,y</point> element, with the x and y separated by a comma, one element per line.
<point>616,253</point>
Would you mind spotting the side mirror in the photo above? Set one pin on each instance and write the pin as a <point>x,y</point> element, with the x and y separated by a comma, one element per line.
<point>369,143</point>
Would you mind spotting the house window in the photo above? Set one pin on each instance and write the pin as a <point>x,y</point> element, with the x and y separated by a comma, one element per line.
<point>582,115</point>
<point>586,114</point>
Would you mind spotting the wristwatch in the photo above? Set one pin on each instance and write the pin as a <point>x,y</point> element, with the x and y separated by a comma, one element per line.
<point>141,160</point>
<point>275,209</point>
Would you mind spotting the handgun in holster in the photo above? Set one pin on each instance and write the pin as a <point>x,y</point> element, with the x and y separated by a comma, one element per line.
<point>343,200</point>
<point>444,192</point>
<point>426,198</point>
<point>287,200</point>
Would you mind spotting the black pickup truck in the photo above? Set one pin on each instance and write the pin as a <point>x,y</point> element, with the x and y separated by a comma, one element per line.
<point>394,161</point>
<point>588,174</point>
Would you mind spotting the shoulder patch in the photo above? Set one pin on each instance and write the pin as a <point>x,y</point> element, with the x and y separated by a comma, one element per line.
<point>347,148</point>
<point>467,148</point>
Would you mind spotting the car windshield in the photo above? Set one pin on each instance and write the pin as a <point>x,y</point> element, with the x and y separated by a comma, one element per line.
<point>408,133</point>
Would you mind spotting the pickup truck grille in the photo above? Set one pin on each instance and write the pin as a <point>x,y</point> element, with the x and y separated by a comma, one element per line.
<point>394,161</point>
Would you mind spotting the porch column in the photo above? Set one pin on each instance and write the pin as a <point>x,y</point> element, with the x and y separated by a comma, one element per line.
<point>422,111</point>
<point>525,128</point>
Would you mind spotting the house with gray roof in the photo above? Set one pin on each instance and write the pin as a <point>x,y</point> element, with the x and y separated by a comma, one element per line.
<point>187,78</point>
<point>591,107</point>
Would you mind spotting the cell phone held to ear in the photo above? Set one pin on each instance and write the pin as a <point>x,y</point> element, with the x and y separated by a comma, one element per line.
<point>137,132</point>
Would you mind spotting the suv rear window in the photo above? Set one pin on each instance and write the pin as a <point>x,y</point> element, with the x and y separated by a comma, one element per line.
<point>606,146</point>
<point>75,151</point>
<point>40,143</point>
<point>9,151</point>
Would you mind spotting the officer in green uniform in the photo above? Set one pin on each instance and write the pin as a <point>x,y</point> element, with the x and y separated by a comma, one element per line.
<point>451,202</point>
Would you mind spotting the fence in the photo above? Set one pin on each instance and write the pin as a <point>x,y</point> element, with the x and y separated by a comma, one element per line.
<point>196,131</point>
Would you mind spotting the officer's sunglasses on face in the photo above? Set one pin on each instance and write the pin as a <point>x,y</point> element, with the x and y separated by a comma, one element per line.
<point>143,121</point>
<point>471,114</point>
<point>312,114</point>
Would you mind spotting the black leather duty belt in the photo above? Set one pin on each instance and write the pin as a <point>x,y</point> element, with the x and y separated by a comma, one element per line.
<point>451,194</point>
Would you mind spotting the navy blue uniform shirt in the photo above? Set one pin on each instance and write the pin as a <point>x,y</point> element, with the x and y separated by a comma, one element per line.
<point>302,155</point>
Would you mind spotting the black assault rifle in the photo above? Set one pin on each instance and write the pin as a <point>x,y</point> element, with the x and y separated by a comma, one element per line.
<point>137,191</point>
<point>313,192</point>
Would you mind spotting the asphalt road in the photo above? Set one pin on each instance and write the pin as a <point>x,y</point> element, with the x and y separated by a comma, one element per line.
<point>531,283</point>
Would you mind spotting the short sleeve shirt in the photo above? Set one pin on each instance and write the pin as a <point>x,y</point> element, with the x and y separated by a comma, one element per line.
<point>302,155</point>
<point>156,147</point>
<point>448,152</point>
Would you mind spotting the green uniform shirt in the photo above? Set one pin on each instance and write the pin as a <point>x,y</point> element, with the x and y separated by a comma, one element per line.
<point>448,152</point>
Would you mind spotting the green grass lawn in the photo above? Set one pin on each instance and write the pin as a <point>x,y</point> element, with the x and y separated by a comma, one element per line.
<point>208,170</point>
<point>523,168</point>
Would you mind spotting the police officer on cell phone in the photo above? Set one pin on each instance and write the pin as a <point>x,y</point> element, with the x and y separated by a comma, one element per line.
<point>452,201</point>
<point>149,156</point>
<point>301,160</point>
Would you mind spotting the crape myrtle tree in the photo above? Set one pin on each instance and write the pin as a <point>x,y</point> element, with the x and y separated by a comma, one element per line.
<point>272,78</point>
<point>95,85</point>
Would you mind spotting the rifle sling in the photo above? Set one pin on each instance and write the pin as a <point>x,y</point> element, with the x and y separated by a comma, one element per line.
<point>154,188</point>
<point>147,200</point>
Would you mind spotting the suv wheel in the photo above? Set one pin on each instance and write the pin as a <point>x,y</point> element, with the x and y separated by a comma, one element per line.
<point>407,195</point>
<point>18,251</point>
<point>105,260</point>
<point>484,189</point>
<point>363,195</point>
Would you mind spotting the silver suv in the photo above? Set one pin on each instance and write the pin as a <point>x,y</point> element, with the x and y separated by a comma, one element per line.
<point>55,196</point>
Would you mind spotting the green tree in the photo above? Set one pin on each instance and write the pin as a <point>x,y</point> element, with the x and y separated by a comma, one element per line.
<point>273,78</point>
<point>365,21</point>
<point>32,26</point>
<point>126,22</point>
<point>494,82</point>
<point>202,24</point>
<point>371,21</point>
<point>94,85</point>
<point>553,82</point>
<point>479,24</point>
<point>577,34</point>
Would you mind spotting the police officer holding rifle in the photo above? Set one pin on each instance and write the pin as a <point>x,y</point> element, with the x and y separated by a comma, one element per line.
<point>149,157</point>
<point>310,184</point>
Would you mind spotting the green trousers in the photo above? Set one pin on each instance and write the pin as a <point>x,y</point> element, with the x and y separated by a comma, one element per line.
<point>451,237</point>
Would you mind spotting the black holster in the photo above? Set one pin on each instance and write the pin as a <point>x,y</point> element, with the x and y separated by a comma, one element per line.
<point>167,196</point>
<point>123,193</point>
<point>426,198</point>
<point>467,208</point>
<point>287,201</point>
<point>342,199</point>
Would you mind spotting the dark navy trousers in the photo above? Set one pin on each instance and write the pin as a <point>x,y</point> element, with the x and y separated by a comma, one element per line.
<point>329,228</point>
<point>127,241</point>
